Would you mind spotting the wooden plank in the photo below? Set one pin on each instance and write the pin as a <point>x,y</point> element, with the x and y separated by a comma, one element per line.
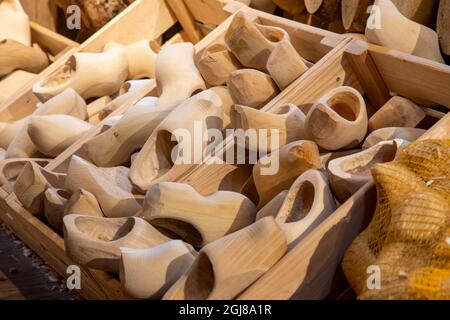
<point>411,76</point>
<point>367,73</point>
<point>42,12</point>
<point>50,41</point>
<point>50,247</point>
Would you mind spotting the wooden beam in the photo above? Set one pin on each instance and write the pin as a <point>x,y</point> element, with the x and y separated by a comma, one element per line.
<point>367,73</point>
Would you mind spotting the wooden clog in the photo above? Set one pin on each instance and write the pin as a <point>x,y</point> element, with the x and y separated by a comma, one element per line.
<point>226,267</point>
<point>397,112</point>
<point>180,209</point>
<point>216,63</point>
<point>54,203</point>
<point>14,22</point>
<point>149,273</point>
<point>202,111</point>
<point>399,33</point>
<point>95,242</point>
<point>52,134</point>
<point>391,133</point>
<point>338,120</point>
<point>176,74</point>
<point>110,186</point>
<point>308,203</point>
<point>293,159</point>
<point>348,174</point>
<point>84,203</point>
<point>17,56</point>
<point>89,74</point>
<point>141,58</point>
<point>284,124</point>
<point>251,88</point>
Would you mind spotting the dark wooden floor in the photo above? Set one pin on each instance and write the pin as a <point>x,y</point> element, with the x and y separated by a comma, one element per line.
<point>24,276</point>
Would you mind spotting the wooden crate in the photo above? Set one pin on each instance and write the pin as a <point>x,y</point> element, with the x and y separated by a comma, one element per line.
<point>49,245</point>
<point>338,61</point>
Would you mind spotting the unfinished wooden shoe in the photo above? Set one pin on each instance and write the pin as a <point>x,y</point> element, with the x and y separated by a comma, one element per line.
<point>31,184</point>
<point>149,273</point>
<point>397,112</point>
<point>226,267</point>
<point>14,22</point>
<point>251,88</point>
<point>308,203</point>
<point>285,64</point>
<point>115,146</point>
<point>278,170</point>
<point>216,63</point>
<point>384,134</point>
<point>17,56</point>
<point>141,58</point>
<point>399,33</point>
<point>348,174</point>
<point>68,102</point>
<point>110,186</point>
<point>176,74</point>
<point>89,74</point>
<point>54,203</point>
<point>284,124</point>
<point>202,111</point>
<point>252,43</point>
<point>181,210</point>
<point>9,130</point>
<point>52,134</point>
<point>13,82</point>
<point>84,203</point>
<point>273,206</point>
<point>338,120</point>
<point>11,168</point>
<point>95,242</point>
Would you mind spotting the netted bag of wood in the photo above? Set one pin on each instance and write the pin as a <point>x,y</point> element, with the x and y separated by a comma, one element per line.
<point>408,239</point>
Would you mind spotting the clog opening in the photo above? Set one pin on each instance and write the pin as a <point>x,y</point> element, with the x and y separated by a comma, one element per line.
<point>200,282</point>
<point>177,229</point>
<point>346,104</point>
<point>164,147</point>
<point>360,164</point>
<point>302,203</point>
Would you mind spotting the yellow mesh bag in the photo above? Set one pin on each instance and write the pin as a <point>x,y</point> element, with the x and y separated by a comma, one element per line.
<point>408,239</point>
